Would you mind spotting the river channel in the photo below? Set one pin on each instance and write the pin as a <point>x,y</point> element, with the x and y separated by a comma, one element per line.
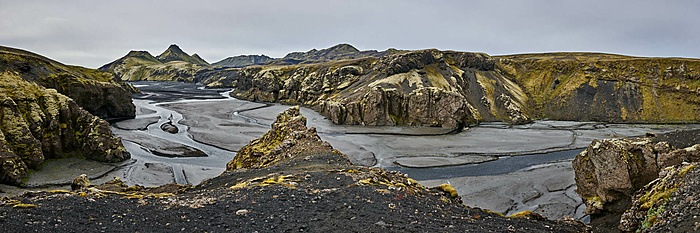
<point>494,165</point>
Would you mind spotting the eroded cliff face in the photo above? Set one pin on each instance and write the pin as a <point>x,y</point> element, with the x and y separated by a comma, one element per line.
<point>422,88</point>
<point>38,123</point>
<point>100,93</point>
<point>608,88</point>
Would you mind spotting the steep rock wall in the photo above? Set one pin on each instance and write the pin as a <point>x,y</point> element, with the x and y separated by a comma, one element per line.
<point>608,88</point>
<point>422,88</point>
<point>39,123</point>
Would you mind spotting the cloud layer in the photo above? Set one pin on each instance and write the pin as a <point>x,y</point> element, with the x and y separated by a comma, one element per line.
<point>92,33</point>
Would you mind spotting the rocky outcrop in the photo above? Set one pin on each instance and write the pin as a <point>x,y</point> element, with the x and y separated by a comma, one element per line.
<point>100,93</point>
<point>668,203</point>
<point>611,170</point>
<point>610,173</point>
<point>287,138</point>
<point>422,88</point>
<point>38,123</point>
<point>606,87</point>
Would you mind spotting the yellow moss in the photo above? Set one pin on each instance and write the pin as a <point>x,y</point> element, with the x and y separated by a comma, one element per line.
<point>521,214</point>
<point>492,212</point>
<point>60,191</point>
<point>160,194</point>
<point>353,171</point>
<point>595,201</point>
<point>686,170</point>
<point>449,189</point>
<point>655,196</point>
<point>240,185</point>
<point>20,205</point>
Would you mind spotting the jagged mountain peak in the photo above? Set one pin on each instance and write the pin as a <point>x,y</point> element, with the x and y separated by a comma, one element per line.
<point>343,48</point>
<point>174,53</point>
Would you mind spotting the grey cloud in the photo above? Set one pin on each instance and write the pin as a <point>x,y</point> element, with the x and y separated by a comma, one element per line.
<point>92,33</point>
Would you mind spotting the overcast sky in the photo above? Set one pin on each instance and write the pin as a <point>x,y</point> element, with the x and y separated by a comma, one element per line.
<point>91,33</point>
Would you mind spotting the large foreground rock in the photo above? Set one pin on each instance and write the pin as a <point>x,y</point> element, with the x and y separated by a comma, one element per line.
<point>667,204</point>
<point>609,172</point>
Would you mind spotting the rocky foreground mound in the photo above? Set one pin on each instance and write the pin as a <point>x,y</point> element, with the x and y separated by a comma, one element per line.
<point>640,179</point>
<point>285,187</point>
<point>38,123</point>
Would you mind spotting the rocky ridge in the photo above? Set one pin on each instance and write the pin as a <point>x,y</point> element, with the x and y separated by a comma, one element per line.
<point>39,123</point>
<point>335,53</point>
<point>243,61</point>
<point>314,189</point>
<point>422,88</point>
<point>439,89</point>
<point>611,174</point>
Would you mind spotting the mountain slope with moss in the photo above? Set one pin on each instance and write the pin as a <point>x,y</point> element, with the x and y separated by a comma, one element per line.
<point>171,65</point>
<point>607,87</point>
<point>100,93</point>
<point>444,88</point>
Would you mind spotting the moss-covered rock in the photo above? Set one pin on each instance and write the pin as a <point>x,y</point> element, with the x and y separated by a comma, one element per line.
<point>100,93</point>
<point>609,172</point>
<point>666,204</point>
<point>39,123</point>
<point>422,88</point>
<point>287,138</point>
<point>606,87</point>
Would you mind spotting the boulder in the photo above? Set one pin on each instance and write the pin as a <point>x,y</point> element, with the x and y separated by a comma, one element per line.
<point>610,171</point>
<point>81,182</point>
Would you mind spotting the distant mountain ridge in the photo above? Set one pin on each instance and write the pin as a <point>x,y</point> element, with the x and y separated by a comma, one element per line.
<point>244,60</point>
<point>174,64</point>
<point>335,53</point>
